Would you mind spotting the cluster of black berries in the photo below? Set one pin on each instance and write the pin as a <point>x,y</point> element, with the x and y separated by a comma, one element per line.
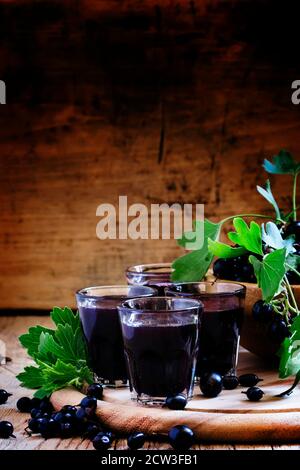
<point>275,324</point>
<point>234,269</point>
<point>212,384</point>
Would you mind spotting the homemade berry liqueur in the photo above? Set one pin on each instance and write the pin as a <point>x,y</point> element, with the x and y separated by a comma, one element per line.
<point>157,275</point>
<point>161,344</point>
<point>98,311</point>
<point>221,323</point>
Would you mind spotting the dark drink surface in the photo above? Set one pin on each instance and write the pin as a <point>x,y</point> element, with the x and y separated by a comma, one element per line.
<point>102,330</point>
<point>159,286</point>
<point>219,340</point>
<point>161,358</point>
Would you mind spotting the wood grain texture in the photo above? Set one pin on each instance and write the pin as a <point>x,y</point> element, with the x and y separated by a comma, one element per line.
<point>227,418</point>
<point>162,101</point>
<point>10,329</point>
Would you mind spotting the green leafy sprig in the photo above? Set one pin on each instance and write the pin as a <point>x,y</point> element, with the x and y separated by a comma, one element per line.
<point>60,355</point>
<point>271,255</point>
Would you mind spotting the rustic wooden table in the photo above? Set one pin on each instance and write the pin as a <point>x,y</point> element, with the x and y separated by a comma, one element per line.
<point>10,329</point>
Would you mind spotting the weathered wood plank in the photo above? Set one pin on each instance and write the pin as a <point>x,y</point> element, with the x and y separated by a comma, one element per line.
<point>10,329</point>
<point>163,101</point>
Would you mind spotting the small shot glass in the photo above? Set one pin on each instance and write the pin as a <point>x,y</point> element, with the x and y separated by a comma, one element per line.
<point>221,323</point>
<point>157,275</point>
<point>102,330</point>
<point>160,337</point>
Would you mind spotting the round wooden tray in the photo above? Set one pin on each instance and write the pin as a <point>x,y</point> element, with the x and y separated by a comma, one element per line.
<point>230,417</point>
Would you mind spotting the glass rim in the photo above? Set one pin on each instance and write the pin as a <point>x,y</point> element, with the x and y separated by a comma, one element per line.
<point>83,293</point>
<point>237,289</point>
<point>149,269</point>
<point>193,303</point>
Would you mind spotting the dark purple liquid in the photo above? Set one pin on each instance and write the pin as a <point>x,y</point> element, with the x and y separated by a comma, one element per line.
<point>219,339</point>
<point>161,358</point>
<point>102,331</point>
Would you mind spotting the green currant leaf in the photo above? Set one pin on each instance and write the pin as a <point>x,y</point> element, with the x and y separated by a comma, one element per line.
<point>282,164</point>
<point>268,195</point>
<point>272,237</point>
<point>194,265</point>
<point>221,250</point>
<point>269,272</point>
<point>247,237</point>
<point>289,351</point>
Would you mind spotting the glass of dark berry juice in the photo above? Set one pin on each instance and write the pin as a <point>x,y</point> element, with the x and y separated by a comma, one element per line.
<point>160,337</point>
<point>221,323</point>
<point>154,275</point>
<point>102,330</point>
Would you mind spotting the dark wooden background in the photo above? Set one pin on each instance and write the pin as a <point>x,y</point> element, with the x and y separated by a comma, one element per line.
<point>165,101</point>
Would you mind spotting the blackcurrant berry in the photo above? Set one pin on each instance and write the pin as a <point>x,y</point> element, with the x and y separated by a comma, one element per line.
<point>33,425</point>
<point>89,402</point>
<point>262,312</point>
<point>68,418</point>
<point>6,429</point>
<point>4,396</point>
<point>177,402</point>
<point>102,441</point>
<point>293,228</point>
<point>66,430</point>
<point>230,382</point>
<point>35,402</point>
<point>69,409</point>
<point>46,406</point>
<point>92,429</point>
<point>223,268</point>
<point>278,330</point>
<point>292,277</point>
<point>181,437</point>
<point>249,380</point>
<point>95,390</point>
<point>36,413</point>
<point>136,440</point>
<point>211,384</point>
<point>58,417</point>
<point>254,394</point>
<point>49,428</point>
<point>24,404</point>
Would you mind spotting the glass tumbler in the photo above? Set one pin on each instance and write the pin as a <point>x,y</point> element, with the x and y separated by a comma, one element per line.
<point>221,323</point>
<point>157,275</point>
<point>160,337</point>
<point>101,327</point>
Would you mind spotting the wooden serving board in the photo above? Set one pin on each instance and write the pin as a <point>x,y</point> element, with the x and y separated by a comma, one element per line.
<point>230,417</point>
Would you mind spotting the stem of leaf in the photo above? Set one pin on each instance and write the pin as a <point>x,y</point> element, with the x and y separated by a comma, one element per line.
<point>291,293</point>
<point>294,197</point>
<point>293,269</point>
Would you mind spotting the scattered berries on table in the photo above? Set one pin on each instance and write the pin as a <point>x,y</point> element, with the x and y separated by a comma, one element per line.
<point>249,380</point>
<point>176,402</point>
<point>102,441</point>
<point>211,384</point>
<point>136,440</point>
<point>254,393</point>
<point>24,404</point>
<point>230,382</point>
<point>6,430</point>
<point>181,437</point>
<point>4,396</point>
<point>95,390</point>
